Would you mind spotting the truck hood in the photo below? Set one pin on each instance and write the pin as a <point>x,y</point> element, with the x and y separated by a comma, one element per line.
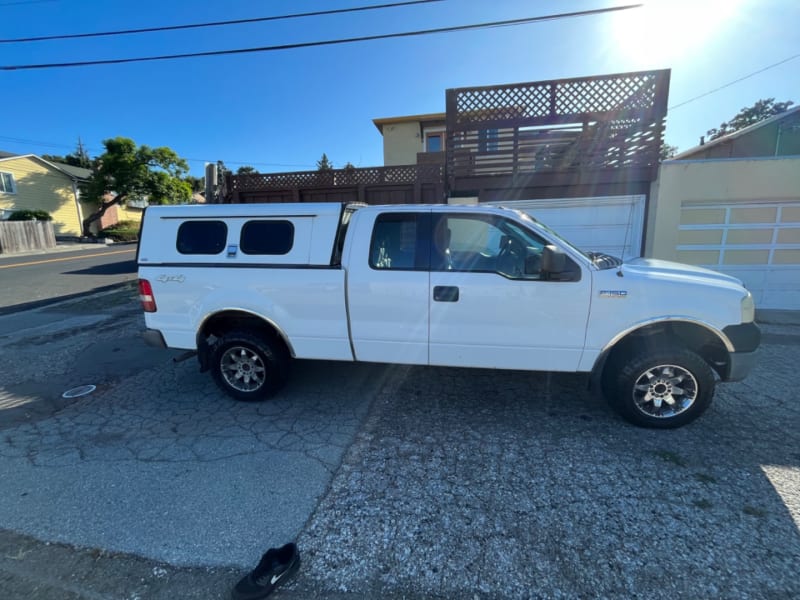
<point>651,266</point>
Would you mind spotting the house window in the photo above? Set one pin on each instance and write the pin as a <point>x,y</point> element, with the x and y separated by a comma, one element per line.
<point>487,140</point>
<point>7,183</point>
<point>434,142</point>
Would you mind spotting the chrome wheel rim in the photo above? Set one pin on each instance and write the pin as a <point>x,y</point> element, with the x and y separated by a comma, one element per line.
<point>242,369</point>
<point>665,391</point>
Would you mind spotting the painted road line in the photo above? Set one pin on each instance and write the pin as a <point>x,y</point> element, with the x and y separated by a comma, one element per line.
<point>51,260</point>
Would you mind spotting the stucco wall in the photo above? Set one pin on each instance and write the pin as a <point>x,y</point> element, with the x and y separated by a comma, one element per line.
<point>401,142</point>
<point>742,181</point>
<point>40,187</point>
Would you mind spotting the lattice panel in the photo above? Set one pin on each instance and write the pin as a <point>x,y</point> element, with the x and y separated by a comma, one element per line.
<point>557,99</point>
<point>404,174</point>
<point>606,122</point>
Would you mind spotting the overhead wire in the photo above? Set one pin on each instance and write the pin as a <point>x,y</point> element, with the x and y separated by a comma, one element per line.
<point>317,13</point>
<point>385,36</point>
<point>23,2</point>
<point>735,81</point>
<point>97,151</point>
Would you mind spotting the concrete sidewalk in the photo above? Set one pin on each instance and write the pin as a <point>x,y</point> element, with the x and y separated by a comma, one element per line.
<point>64,247</point>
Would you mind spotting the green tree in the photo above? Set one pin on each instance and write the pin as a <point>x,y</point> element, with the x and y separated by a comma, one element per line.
<point>126,172</point>
<point>246,170</point>
<point>198,183</point>
<point>763,109</point>
<point>667,151</point>
<point>323,164</point>
<point>79,158</point>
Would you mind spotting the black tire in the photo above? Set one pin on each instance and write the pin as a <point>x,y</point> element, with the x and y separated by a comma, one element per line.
<point>249,366</point>
<point>659,388</point>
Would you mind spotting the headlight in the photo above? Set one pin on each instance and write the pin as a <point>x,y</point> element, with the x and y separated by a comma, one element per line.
<point>748,309</point>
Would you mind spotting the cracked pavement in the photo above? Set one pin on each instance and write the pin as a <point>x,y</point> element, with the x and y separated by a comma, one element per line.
<point>396,481</point>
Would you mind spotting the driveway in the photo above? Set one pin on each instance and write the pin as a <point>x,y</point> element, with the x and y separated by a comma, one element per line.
<point>396,481</point>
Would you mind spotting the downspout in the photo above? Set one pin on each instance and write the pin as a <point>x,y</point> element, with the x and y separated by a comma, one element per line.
<point>77,193</point>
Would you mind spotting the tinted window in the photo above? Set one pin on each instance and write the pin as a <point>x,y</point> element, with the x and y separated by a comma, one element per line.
<point>267,237</point>
<point>394,242</point>
<point>202,237</point>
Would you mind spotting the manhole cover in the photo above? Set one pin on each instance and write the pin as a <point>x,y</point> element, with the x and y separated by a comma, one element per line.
<point>77,392</point>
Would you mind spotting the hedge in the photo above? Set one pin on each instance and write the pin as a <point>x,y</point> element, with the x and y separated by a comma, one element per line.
<point>30,215</point>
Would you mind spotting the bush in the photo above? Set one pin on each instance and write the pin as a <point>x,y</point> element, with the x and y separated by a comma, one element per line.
<point>30,215</point>
<point>124,231</point>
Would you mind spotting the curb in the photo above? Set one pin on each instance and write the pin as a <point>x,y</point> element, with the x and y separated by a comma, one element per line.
<point>25,306</point>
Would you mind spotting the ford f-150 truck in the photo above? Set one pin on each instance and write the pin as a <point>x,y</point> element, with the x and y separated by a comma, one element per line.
<point>248,287</point>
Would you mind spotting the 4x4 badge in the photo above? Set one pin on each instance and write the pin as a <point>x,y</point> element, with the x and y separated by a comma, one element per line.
<point>168,278</point>
<point>613,293</point>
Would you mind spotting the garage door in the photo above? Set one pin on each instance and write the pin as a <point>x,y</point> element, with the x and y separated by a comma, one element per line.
<point>759,243</point>
<point>610,224</point>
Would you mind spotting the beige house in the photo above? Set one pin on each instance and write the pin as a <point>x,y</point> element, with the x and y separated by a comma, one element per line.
<point>733,205</point>
<point>406,137</point>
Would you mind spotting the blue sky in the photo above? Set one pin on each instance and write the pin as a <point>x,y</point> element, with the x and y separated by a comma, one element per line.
<point>280,111</point>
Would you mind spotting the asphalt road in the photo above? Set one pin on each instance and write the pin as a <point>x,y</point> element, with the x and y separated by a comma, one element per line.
<point>36,279</point>
<point>395,481</point>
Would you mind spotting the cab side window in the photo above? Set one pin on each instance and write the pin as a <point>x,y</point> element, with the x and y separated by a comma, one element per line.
<point>396,244</point>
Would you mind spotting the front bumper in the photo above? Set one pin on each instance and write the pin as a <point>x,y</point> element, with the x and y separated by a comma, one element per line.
<point>741,363</point>
<point>745,339</point>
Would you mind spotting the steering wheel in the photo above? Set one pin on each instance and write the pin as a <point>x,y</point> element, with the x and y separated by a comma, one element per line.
<point>511,258</point>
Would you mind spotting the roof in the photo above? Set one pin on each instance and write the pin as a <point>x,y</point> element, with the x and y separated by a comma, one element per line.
<point>736,134</point>
<point>379,123</point>
<point>74,173</point>
<point>77,172</point>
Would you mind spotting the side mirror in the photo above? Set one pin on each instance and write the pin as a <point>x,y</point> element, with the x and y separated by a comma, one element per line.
<point>554,261</point>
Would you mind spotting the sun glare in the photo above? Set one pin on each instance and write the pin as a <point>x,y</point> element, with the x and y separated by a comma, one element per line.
<point>663,31</point>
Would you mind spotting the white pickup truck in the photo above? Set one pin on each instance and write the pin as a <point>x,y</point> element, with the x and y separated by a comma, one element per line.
<point>250,286</point>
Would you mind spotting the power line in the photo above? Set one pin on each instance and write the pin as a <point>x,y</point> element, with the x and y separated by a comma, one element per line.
<point>735,81</point>
<point>214,23</point>
<point>97,151</point>
<point>21,2</point>
<point>419,32</point>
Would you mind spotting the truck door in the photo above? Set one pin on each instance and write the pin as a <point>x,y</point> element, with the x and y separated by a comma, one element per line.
<point>491,305</point>
<point>387,288</point>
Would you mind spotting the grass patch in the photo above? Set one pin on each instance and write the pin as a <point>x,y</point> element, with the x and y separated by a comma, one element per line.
<point>670,457</point>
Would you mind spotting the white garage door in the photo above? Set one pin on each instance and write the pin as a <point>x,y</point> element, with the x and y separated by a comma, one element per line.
<point>609,224</point>
<point>759,243</point>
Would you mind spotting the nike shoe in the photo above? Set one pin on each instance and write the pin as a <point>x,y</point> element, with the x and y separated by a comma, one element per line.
<point>275,568</point>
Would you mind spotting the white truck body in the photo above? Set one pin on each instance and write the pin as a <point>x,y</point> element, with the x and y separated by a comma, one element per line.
<point>446,285</point>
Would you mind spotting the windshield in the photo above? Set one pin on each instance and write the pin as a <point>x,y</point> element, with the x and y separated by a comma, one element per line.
<point>599,259</point>
<point>567,243</point>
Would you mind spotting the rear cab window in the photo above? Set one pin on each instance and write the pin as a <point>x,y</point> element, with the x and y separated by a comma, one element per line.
<point>399,242</point>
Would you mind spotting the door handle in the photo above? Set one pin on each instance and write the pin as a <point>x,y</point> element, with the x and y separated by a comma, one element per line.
<point>445,293</point>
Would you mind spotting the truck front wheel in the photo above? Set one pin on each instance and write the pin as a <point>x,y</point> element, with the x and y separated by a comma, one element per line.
<point>248,366</point>
<point>662,389</point>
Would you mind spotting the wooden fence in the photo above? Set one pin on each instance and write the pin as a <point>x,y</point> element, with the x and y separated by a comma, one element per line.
<point>23,236</point>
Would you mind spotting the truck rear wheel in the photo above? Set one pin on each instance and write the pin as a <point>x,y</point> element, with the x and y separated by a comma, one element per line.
<point>249,366</point>
<point>661,389</point>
